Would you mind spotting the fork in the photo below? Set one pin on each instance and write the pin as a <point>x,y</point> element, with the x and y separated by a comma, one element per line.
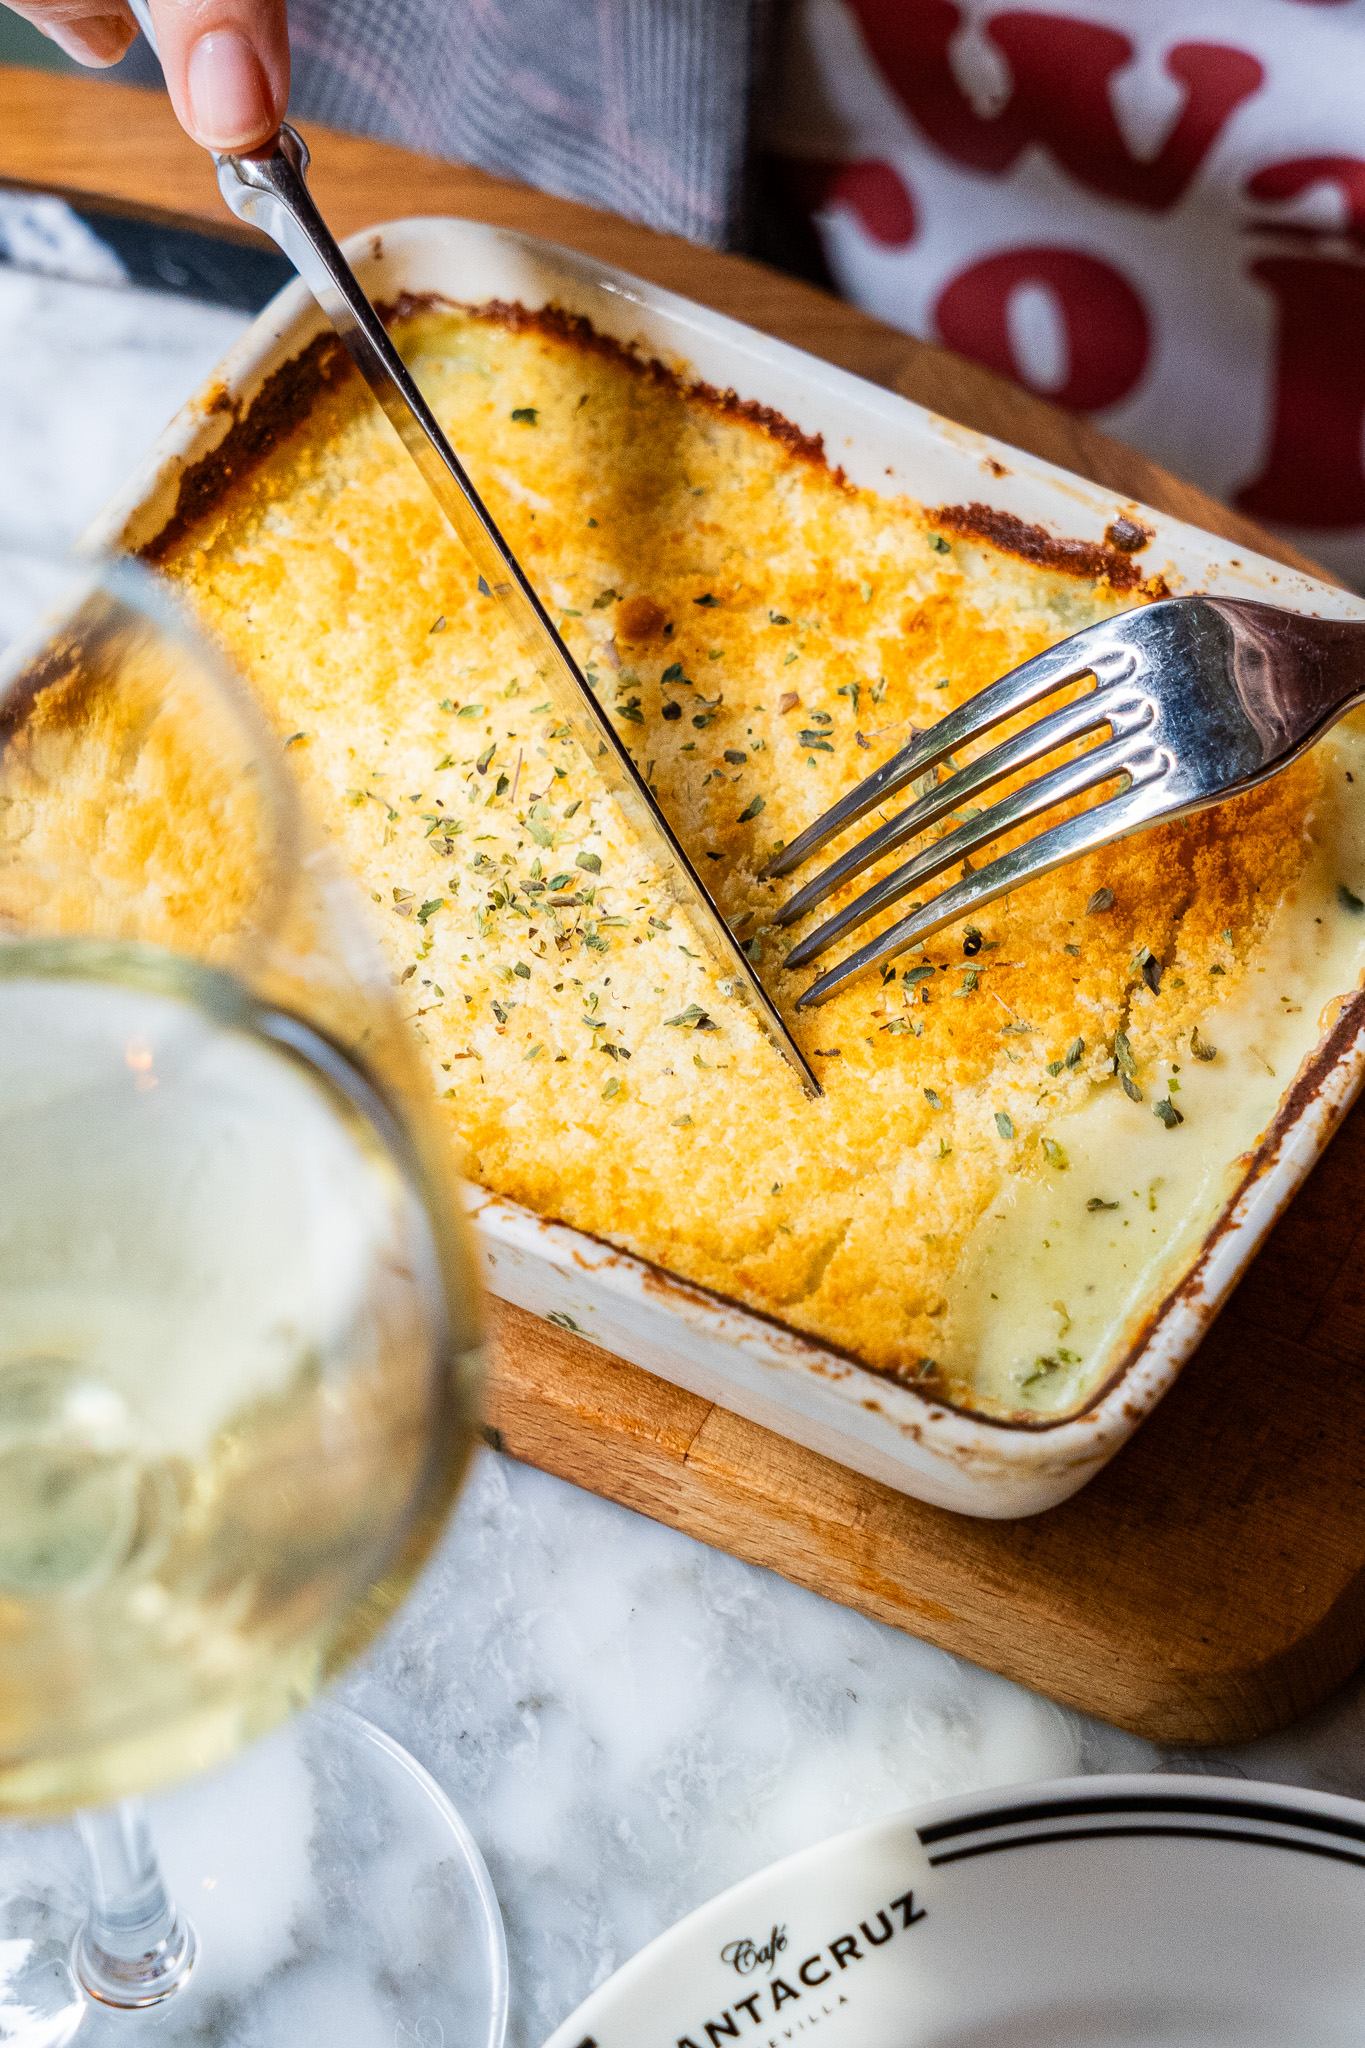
<point>1203,697</point>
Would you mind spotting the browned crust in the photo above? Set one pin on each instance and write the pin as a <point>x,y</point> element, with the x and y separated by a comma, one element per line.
<point>279,405</point>
<point>284,399</point>
<point>1130,536</point>
<point>1013,536</point>
<point>580,333</point>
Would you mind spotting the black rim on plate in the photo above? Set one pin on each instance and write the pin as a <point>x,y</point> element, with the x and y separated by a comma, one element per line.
<point>1188,1816</point>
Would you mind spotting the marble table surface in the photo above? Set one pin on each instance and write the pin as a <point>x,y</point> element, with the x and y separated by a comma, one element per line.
<point>628,1720</point>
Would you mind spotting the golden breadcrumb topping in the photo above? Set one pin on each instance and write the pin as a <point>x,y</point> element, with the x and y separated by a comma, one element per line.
<point>117,766</point>
<point>765,634</point>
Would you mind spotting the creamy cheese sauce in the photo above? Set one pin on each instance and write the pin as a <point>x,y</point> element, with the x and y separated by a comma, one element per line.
<point>1053,1286</point>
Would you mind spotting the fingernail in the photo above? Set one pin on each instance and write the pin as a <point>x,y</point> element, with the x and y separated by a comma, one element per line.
<point>94,39</point>
<point>227,91</point>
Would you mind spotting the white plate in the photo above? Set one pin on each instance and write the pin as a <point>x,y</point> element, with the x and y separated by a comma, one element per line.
<point>1150,1912</point>
<point>778,1377</point>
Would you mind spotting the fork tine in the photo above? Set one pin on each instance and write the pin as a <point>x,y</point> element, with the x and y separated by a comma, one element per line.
<point>1074,778</point>
<point>1072,722</point>
<point>1130,811</point>
<point>1066,662</point>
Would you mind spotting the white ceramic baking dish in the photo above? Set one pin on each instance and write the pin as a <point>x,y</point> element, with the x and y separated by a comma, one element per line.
<point>741,1360</point>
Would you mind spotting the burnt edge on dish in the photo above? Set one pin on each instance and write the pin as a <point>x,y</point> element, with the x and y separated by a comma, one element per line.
<point>578,332</point>
<point>1107,561</point>
<point>257,429</point>
<point>280,406</point>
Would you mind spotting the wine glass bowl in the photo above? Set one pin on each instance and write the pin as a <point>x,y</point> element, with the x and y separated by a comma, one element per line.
<point>239,1332</point>
<point>229,1419</point>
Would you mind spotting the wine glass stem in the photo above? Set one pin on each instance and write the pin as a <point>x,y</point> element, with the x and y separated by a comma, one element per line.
<point>135,1948</point>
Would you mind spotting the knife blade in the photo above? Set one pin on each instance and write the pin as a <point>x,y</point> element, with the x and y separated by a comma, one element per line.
<point>269,191</point>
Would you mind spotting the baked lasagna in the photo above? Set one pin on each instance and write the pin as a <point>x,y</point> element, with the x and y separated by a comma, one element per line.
<point>1027,1124</point>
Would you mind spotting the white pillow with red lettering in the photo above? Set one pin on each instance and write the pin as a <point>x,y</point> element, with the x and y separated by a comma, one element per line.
<point>1153,213</point>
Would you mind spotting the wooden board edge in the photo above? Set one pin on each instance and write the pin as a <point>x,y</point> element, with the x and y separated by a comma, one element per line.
<point>639,1441</point>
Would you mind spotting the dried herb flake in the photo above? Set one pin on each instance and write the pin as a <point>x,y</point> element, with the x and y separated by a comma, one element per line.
<point>694,1017</point>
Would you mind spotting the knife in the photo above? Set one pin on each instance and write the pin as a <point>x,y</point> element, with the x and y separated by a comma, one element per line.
<point>269,191</point>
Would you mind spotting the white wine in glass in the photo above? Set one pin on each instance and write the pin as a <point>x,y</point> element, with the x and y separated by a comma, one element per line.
<point>238,1315</point>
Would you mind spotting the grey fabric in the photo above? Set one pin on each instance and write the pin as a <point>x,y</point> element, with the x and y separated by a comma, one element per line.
<point>640,106</point>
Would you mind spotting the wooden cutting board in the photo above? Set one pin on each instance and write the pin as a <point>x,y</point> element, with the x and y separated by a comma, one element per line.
<point>1209,1585</point>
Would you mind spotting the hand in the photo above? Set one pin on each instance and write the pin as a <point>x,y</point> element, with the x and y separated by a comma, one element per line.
<point>226,61</point>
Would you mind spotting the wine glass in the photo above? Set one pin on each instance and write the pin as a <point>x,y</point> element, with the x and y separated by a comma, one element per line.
<point>239,1350</point>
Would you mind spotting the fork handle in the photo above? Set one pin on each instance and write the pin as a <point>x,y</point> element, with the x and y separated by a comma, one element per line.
<point>1293,675</point>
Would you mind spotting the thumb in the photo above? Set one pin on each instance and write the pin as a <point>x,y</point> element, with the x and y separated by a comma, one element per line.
<point>227,68</point>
